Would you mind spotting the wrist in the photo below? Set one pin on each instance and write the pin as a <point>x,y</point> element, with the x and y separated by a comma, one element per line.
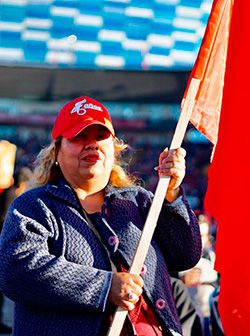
<point>172,194</point>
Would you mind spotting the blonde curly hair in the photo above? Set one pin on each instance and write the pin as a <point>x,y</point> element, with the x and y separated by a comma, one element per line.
<point>46,170</point>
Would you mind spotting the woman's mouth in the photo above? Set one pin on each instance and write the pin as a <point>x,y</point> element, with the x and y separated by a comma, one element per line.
<point>91,158</point>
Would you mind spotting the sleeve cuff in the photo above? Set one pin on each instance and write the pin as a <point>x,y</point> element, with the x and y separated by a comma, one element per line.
<point>179,199</point>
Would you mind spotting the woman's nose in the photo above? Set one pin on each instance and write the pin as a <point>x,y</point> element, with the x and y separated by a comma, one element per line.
<point>91,144</point>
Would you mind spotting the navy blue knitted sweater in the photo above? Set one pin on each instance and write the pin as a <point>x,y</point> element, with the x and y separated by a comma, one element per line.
<point>58,273</point>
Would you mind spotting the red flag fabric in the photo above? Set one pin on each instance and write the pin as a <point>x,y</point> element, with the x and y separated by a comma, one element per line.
<point>210,69</point>
<point>229,180</point>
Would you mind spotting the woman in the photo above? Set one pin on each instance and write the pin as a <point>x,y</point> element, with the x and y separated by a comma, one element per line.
<point>66,245</point>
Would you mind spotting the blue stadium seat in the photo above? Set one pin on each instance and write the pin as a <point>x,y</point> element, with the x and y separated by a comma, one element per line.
<point>114,16</point>
<point>185,45</point>
<point>10,39</point>
<point>38,10</point>
<point>86,33</point>
<point>193,3</point>
<point>34,51</point>
<point>111,48</point>
<point>142,4</point>
<point>161,27</point>
<point>164,12</point>
<point>137,28</point>
<point>12,13</point>
<point>90,7</point>
<point>133,59</point>
<point>62,26</point>
<point>66,3</point>
<point>85,59</point>
<point>159,50</point>
<point>204,18</point>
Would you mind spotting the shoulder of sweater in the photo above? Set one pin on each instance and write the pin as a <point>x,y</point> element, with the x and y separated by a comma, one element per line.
<point>31,195</point>
<point>29,203</point>
<point>132,191</point>
<point>44,193</point>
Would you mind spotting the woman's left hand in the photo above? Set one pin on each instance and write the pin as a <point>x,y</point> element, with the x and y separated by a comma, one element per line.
<point>172,163</point>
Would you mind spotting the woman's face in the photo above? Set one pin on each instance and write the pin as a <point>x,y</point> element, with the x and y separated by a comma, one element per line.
<point>87,158</point>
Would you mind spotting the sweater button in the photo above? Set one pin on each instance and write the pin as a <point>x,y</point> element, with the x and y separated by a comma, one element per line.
<point>143,270</point>
<point>113,240</point>
<point>160,304</point>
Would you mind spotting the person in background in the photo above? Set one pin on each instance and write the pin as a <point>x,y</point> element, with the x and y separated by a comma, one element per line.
<point>216,323</point>
<point>202,279</point>
<point>189,317</point>
<point>4,329</point>
<point>20,181</point>
<point>7,163</point>
<point>67,244</point>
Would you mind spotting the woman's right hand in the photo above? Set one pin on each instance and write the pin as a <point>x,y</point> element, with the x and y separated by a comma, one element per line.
<point>125,290</point>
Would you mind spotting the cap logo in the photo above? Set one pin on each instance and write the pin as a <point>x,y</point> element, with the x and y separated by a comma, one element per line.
<point>81,107</point>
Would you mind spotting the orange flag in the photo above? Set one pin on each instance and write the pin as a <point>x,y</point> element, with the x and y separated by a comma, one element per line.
<point>210,69</point>
<point>229,180</point>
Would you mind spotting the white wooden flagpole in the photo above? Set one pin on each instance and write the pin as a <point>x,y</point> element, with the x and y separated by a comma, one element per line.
<point>152,218</point>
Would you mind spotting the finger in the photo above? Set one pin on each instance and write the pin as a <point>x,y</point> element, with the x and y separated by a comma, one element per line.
<point>163,154</point>
<point>178,165</point>
<point>127,305</point>
<point>165,165</point>
<point>137,279</point>
<point>169,164</point>
<point>181,151</point>
<point>131,306</point>
<point>174,156</point>
<point>129,301</point>
<point>177,152</point>
<point>136,290</point>
<point>174,172</point>
<point>173,160</point>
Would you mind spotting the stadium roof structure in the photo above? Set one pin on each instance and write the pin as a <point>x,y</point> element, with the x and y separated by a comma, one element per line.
<point>52,84</point>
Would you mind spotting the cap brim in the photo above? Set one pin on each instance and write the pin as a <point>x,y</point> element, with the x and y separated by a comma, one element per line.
<point>73,132</point>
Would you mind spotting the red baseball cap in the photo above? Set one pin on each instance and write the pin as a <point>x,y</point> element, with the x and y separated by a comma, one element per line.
<point>78,114</point>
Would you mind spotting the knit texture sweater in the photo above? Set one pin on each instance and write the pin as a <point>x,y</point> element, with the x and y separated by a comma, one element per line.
<point>58,272</point>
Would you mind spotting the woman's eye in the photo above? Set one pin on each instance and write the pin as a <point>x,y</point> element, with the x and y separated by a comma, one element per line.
<point>103,135</point>
<point>79,137</point>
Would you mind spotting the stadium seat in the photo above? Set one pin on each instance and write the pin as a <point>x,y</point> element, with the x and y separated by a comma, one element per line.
<point>193,3</point>
<point>12,12</point>
<point>133,59</point>
<point>34,51</point>
<point>85,59</point>
<point>10,39</point>
<point>114,16</point>
<point>86,33</point>
<point>164,12</point>
<point>137,28</point>
<point>111,48</point>
<point>90,7</point>
<point>37,10</point>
